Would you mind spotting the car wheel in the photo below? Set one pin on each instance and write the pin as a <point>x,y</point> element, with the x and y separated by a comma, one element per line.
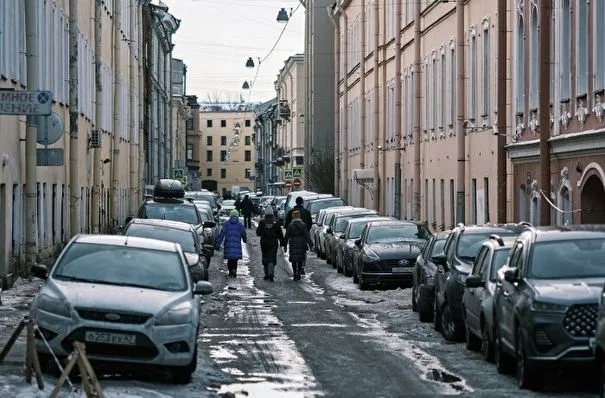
<point>502,360</point>
<point>472,342</point>
<point>425,306</point>
<point>487,346</point>
<point>414,303</point>
<point>449,329</point>
<point>526,376</point>
<point>183,374</point>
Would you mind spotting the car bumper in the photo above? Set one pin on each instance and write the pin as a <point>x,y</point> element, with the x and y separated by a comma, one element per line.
<point>151,347</point>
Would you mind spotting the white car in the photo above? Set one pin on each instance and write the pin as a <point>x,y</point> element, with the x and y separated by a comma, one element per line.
<point>130,300</point>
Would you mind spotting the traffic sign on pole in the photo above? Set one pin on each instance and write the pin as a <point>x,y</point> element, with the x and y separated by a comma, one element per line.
<point>298,172</point>
<point>287,174</point>
<point>31,103</point>
<point>288,184</point>
<point>296,182</point>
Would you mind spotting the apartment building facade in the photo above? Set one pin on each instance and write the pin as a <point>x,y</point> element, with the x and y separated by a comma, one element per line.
<point>290,123</point>
<point>180,113</point>
<point>193,148</point>
<point>266,172</point>
<point>227,150</point>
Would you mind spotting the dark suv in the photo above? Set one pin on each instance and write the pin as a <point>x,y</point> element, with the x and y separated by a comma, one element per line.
<point>452,269</point>
<point>547,299</point>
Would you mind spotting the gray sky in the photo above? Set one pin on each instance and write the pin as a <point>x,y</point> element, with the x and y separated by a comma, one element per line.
<point>216,38</point>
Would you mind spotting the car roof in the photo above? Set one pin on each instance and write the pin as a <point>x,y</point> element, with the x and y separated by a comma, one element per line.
<point>324,199</point>
<point>568,232</point>
<point>163,223</point>
<point>367,219</point>
<point>184,202</point>
<point>354,212</point>
<point>131,241</point>
<point>507,241</point>
<point>391,222</point>
<point>495,229</point>
<point>336,209</point>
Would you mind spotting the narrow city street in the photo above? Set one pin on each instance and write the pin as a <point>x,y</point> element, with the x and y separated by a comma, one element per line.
<point>320,336</point>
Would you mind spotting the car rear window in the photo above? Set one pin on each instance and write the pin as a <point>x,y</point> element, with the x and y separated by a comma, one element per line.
<point>498,261</point>
<point>173,212</point>
<point>569,259</point>
<point>395,233</point>
<point>469,244</point>
<point>183,237</point>
<point>317,205</point>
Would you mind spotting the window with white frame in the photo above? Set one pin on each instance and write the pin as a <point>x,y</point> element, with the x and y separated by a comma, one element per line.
<point>598,47</point>
<point>390,110</point>
<point>343,54</point>
<point>425,94</point>
<point>452,83</point>
<point>485,71</point>
<point>520,65</point>
<point>472,106</point>
<point>390,20</point>
<point>582,48</point>
<point>369,125</point>
<point>534,60</point>
<point>442,92</point>
<point>412,108</point>
<point>433,103</point>
<point>4,39</point>
<point>369,28</point>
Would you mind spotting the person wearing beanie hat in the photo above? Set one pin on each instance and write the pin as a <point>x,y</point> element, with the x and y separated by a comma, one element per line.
<point>298,241</point>
<point>305,215</point>
<point>234,233</point>
<point>271,238</point>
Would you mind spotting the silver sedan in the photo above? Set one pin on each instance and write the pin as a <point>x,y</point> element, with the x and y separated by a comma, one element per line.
<point>130,300</point>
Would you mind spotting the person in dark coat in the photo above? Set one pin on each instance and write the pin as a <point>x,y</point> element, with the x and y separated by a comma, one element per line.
<point>298,241</point>
<point>234,234</point>
<point>247,207</point>
<point>305,215</point>
<point>271,238</point>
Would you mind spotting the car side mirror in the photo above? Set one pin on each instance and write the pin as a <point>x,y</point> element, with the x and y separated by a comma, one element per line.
<point>39,271</point>
<point>343,236</point>
<point>474,281</point>
<point>209,224</point>
<point>358,242</point>
<point>439,259</point>
<point>511,275</point>
<point>128,219</point>
<point>329,231</point>
<point>202,288</point>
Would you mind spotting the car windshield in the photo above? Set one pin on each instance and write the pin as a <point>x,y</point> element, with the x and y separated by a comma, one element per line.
<point>185,238</point>
<point>201,196</point>
<point>438,247</point>
<point>328,219</point>
<point>356,230</point>
<point>317,205</point>
<point>171,212</point>
<point>469,244</point>
<point>228,203</point>
<point>498,261</point>
<point>341,222</point>
<point>570,259</point>
<point>396,233</point>
<point>122,266</point>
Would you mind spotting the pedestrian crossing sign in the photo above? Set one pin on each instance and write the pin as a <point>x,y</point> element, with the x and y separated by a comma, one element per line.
<point>287,174</point>
<point>298,172</point>
<point>178,174</point>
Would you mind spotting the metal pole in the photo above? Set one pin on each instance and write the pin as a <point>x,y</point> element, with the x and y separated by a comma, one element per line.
<point>133,123</point>
<point>460,99</point>
<point>96,166</point>
<point>337,73</point>
<point>377,190</point>
<point>544,108</point>
<point>501,106</point>
<point>362,107</point>
<point>31,216</point>
<point>345,107</point>
<point>418,108</point>
<point>398,108</point>
<point>74,173</point>
<point>117,97</point>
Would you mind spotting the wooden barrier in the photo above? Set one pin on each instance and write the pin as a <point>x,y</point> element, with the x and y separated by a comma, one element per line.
<point>90,383</point>
<point>32,362</point>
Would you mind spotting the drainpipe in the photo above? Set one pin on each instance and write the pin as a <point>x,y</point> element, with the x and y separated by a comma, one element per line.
<point>31,177</point>
<point>117,96</point>
<point>544,110</point>
<point>345,100</point>
<point>132,125</point>
<point>384,131</point>
<point>377,190</point>
<point>460,99</point>
<point>398,106</point>
<point>74,185</point>
<point>418,109</point>
<point>501,106</point>
<point>362,108</point>
<point>141,104</point>
<point>337,73</point>
<point>96,166</point>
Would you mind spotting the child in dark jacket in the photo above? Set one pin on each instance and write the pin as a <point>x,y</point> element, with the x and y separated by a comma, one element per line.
<point>271,238</point>
<point>234,234</point>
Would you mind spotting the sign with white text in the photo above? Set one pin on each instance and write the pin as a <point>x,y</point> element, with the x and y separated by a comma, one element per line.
<point>29,103</point>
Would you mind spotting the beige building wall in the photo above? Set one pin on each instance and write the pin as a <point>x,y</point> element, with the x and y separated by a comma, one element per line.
<point>227,152</point>
<point>438,150</point>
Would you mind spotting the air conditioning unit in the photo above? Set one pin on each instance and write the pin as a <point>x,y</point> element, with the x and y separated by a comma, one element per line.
<point>363,175</point>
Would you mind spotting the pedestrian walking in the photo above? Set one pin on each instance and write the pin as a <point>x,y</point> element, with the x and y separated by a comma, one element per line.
<point>298,241</point>
<point>305,215</point>
<point>271,238</point>
<point>234,233</point>
<point>247,207</point>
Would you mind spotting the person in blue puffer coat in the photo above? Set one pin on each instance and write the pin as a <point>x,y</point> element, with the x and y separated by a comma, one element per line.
<point>234,234</point>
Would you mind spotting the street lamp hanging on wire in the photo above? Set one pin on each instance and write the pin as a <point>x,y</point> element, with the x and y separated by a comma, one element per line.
<point>250,63</point>
<point>282,16</point>
<point>246,85</point>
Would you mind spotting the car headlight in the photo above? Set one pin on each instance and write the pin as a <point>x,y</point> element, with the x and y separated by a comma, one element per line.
<point>179,316</point>
<point>370,258</point>
<point>539,306</point>
<point>53,305</point>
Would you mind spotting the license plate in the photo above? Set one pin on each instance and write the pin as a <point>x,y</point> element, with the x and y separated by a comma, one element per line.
<point>401,269</point>
<point>110,338</point>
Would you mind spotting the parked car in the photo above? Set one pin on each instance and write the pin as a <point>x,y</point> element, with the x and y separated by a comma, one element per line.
<point>315,204</point>
<point>206,196</point>
<point>387,251</point>
<point>454,266</point>
<point>196,250</point>
<point>336,228</point>
<point>227,206</point>
<point>478,298</point>
<point>291,198</point>
<point>547,305</point>
<point>423,289</point>
<point>131,300</point>
<point>320,233</point>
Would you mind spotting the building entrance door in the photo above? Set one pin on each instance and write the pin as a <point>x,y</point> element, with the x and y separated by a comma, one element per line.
<point>593,202</point>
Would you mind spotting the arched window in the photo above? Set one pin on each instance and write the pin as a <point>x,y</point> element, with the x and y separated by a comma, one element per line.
<point>520,65</point>
<point>534,60</point>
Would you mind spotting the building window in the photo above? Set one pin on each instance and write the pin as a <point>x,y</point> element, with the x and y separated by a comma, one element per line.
<point>247,156</point>
<point>189,124</point>
<point>474,201</point>
<point>598,47</point>
<point>208,123</point>
<point>434,200</point>
<point>425,110</point>
<point>534,60</point>
<point>223,173</point>
<point>473,78</point>
<point>520,65</point>
<point>486,199</point>
<point>208,156</point>
<point>209,140</point>
<point>442,86</point>
<point>247,123</point>
<point>208,172</point>
<point>189,151</point>
<point>452,204</point>
<point>433,101</point>
<point>582,49</point>
<point>485,83</point>
<point>247,140</point>
<point>426,199</point>
<point>452,86</point>
<point>565,43</point>
<point>223,140</point>
<point>223,123</point>
<point>223,156</point>
<point>247,173</point>
<point>442,202</point>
